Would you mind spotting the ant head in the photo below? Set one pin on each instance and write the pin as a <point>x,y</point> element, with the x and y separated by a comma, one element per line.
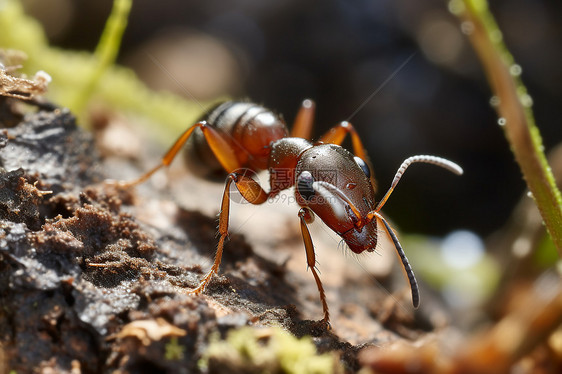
<point>335,185</point>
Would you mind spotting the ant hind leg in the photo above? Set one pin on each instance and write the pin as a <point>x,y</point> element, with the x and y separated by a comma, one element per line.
<point>220,146</point>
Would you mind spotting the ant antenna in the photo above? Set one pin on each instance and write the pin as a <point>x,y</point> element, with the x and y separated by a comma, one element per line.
<point>439,161</point>
<point>405,262</point>
<point>444,163</point>
<point>382,85</point>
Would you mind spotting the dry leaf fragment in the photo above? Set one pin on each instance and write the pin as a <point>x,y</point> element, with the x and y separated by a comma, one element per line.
<point>22,88</point>
<point>149,330</point>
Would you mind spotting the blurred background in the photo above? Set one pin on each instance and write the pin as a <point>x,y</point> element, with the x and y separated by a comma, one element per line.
<point>340,52</point>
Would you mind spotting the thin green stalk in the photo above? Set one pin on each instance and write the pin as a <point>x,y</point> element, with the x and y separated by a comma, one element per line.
<point>106,50</point>
<point>514,110</point>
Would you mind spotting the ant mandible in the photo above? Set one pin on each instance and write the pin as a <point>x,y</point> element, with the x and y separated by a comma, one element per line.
<point>239,136</point>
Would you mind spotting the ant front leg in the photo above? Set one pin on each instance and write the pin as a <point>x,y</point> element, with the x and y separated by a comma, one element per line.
<point>252,192</point>
<point>220,146</point>
<point>337,134</point>
<point>306,216</point>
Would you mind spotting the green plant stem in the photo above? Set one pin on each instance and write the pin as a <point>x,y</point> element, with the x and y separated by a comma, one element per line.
<point>106,50</point>
<point>514,109</point>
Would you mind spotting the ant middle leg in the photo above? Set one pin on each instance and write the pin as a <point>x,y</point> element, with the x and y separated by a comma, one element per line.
<point>252,192</point>
<point>217,141</point>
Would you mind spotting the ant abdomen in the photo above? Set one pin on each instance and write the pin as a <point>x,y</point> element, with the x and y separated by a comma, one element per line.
<point>248,128</point>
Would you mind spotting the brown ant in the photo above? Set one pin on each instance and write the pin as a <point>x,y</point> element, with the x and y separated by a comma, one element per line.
<point>237,136</point>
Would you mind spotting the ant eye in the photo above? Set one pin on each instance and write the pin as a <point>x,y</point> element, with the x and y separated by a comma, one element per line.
<point>304,185</point>
<point>363,165</point>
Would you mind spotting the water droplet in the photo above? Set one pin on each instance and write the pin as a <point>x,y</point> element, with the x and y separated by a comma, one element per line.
<point>530,195</point>
<point>521,247</point>
<point>559,267</point>
<point>456,7</point>
<point>515,70</point>
<point>526,100</point>
<point>501,121</point>
<point>462,249</point>
<point>495,101</point>
<point>467,27</point>
<point>496,36</point>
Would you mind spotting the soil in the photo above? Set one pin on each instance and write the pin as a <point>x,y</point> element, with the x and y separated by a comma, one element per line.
<point>94,276</point>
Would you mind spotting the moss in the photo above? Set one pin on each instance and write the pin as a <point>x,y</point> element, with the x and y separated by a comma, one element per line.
<point>174,350</point>
<point>271,350</point>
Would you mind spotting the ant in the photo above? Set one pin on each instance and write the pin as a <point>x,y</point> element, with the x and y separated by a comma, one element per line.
<point>238,137</point>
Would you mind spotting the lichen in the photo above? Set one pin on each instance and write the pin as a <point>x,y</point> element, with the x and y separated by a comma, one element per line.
<point>271,350</point>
